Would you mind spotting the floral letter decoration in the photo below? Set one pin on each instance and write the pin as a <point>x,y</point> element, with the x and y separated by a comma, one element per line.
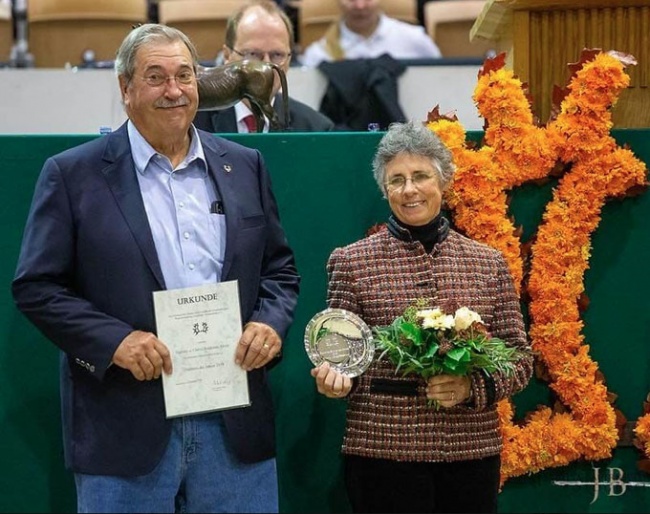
<point>516,151</point>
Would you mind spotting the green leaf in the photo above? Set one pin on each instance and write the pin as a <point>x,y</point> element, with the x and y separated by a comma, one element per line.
<point>459,355</point>
<point>433,349</point>
<point>411,332</point>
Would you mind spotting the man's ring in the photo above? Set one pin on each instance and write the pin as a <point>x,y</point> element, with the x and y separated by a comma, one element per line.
<point>265,345</point>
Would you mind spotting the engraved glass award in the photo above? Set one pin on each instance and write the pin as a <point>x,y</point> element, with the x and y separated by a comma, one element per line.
<point>340,338</point>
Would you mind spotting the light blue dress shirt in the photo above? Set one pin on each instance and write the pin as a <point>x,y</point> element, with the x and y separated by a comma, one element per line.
<point>190,238</point>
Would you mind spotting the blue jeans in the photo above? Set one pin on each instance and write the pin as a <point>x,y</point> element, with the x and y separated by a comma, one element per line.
<point>197,473</point>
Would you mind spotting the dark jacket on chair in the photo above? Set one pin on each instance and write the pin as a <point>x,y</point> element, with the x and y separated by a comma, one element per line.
<point>362,91</point>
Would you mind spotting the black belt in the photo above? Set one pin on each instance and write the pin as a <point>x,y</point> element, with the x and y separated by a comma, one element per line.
<point>396,387</point>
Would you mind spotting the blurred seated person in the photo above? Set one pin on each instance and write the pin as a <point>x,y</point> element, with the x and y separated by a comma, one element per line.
<point>365,32</point>
<point>259,29</point>
<point>152,11</point>
<point>420,10</point>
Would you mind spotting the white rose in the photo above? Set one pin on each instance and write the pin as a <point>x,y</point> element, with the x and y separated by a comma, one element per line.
<point>464,317</point>
<point>429,313</point>
<point>435,319</point>
<point>447,321</point>
<point>444,321</point>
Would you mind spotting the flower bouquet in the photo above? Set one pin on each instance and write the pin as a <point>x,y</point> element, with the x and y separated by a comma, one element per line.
<point>429,342</point>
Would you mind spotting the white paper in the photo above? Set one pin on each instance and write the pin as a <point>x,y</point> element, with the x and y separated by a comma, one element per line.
<point>201,326</point>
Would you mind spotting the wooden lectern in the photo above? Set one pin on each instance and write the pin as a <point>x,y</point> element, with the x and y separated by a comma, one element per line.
<point>542,36</point>
<point>6,31</point>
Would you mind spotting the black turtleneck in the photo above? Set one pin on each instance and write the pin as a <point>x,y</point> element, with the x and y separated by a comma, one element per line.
<point>429,234</point>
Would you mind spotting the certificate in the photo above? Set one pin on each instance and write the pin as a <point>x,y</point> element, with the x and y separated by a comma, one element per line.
<point>201,327</point>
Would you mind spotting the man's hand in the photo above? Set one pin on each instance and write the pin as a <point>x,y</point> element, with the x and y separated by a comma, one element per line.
<point>258,345</point>
<point>144,355</point>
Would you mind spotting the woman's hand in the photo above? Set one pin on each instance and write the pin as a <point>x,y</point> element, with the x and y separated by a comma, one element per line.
<point>330,382</point>
<point>448,390</point>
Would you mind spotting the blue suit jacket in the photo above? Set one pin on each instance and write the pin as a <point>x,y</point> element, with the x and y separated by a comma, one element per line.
<point>85,277</point>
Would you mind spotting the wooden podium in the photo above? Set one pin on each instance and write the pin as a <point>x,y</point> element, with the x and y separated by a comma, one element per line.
<point>542,36</point>
<point>6,35</point>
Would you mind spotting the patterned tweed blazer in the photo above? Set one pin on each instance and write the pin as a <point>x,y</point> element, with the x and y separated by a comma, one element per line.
<point>377,278</point>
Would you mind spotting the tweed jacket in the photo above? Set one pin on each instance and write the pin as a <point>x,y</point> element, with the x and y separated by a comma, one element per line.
<point>377,278</point>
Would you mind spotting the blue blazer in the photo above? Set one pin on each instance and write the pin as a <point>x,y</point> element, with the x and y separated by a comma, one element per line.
<point>85,276</point>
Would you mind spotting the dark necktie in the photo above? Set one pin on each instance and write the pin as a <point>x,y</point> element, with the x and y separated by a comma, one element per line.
<point>250,123</point>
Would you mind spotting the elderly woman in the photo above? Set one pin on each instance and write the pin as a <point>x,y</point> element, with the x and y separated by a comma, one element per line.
<point>402,454</point>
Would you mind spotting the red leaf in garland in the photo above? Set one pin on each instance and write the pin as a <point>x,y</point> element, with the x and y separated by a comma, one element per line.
<point>541,371</point>
<point>583,302</point>
<point>558,95</point>
<point>492,64</point>
<point>636,190</point>
<point>587,54</point>
<point>644,465</point>
<point>434,115</point>
<point>621,422</point>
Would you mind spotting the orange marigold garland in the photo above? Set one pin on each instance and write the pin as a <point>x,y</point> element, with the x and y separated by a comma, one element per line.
<point>642,433</point>
<point>516,151</point>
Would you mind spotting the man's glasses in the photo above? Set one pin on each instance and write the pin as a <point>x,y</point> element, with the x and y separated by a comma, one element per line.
<point>278,58</point>
<point>155,79</point>
<point>419,179</point>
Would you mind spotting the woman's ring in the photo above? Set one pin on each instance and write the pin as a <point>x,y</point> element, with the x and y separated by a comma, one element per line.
<point>453,396</point>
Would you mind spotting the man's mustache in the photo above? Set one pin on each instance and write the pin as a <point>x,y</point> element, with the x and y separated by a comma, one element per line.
<point>163,103</point>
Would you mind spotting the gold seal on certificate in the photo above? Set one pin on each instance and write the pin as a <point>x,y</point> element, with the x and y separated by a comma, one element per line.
<point>340,338</point>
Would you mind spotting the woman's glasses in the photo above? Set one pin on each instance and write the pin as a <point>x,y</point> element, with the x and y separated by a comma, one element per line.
<point>419,179</point>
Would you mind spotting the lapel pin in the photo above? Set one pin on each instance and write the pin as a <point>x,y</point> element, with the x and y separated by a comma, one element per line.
<point>227,168</point>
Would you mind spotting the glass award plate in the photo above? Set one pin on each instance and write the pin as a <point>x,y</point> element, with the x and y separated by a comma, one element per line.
<point>342,339</point>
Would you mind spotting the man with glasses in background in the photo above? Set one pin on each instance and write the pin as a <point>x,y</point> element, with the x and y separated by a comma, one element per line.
<point>157,205</point>
<point>261,30</point>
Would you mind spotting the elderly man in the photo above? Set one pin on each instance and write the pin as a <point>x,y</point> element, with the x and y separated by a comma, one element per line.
<point>365,32</point>
<point>120,217</point>
<point>261,30</point>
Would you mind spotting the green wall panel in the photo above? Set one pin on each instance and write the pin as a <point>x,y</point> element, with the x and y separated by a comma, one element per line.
<point>327,198</point>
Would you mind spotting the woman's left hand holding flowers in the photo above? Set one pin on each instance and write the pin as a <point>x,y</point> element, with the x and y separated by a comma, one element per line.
<point>448,390</point>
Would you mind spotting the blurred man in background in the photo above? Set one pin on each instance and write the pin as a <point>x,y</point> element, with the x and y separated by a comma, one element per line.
<point>261,30</point>
<point>365,32</point>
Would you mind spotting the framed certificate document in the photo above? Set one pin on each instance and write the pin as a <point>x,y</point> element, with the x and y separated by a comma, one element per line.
<point>201,326</point>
